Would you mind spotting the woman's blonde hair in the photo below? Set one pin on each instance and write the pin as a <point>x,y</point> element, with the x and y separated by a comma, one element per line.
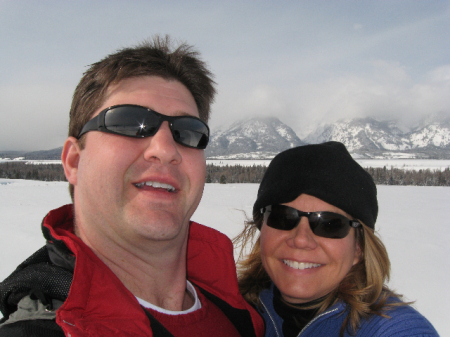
<point>364,288</point>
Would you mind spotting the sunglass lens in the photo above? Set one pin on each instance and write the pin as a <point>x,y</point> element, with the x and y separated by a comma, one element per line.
<point>190,132</point>
<point>132,121</point>
<point>329,225</point>
<point>282,217</point>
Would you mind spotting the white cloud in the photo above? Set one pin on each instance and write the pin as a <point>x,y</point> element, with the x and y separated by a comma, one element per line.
<point>385,91</point>
<point>440,75</point>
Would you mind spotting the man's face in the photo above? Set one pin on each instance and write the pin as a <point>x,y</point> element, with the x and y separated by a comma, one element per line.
<point>131,189</point>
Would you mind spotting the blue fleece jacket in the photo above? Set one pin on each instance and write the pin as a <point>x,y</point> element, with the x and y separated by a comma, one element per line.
<point>405,321</point>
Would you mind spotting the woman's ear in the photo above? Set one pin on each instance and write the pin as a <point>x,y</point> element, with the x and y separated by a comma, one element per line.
<point>70,157</point>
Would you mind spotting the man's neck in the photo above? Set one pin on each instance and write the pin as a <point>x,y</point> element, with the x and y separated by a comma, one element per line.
<point>156,275</point>
<point>192,302</point>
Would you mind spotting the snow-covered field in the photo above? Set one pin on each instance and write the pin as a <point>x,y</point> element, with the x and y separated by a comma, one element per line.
<point>407,164</point>
<point>30,162</point>
<point>412,222</point>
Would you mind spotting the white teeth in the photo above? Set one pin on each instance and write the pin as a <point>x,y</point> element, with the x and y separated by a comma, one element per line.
<point>156,184</point>
<point>300,265</point>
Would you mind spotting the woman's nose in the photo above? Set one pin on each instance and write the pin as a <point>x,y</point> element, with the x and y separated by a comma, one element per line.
<point>302,236</point>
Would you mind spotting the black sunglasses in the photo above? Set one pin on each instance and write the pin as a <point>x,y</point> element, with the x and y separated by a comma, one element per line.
<point>325,224</point>
<point>138,121</point>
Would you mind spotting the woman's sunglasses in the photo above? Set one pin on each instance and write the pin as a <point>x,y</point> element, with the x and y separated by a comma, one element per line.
<point>138,121</point>
<point>325,224</point>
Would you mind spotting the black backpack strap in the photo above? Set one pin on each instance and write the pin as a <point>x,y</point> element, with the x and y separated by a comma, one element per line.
<point>241,318</point>
<point>157,328</point>
<point>32,328</point>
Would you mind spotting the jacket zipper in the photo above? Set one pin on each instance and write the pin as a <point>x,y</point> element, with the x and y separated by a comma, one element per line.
<point>315,319</point>
<point>271,318</point>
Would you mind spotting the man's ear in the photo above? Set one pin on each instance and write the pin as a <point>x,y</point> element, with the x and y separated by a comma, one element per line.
<point>70,158</point>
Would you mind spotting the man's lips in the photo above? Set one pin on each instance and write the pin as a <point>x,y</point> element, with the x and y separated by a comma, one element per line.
<point>156,184</point>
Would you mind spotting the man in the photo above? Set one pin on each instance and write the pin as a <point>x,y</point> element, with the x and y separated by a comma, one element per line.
<point>124,259</point>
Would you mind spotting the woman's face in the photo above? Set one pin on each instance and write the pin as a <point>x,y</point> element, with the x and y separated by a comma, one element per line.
<point>303,266</point>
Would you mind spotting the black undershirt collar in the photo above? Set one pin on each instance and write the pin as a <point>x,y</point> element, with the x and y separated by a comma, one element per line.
<point>294,316</point>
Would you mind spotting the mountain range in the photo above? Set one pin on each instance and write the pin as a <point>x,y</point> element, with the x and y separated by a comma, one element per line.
<point>264,137</point>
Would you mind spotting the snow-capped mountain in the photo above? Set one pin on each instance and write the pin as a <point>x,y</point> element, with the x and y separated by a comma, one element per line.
<point>433,131</point>
<point>431,136</point>
<point>252,138</point>
<point>362,133</point>
<point>368,137</point>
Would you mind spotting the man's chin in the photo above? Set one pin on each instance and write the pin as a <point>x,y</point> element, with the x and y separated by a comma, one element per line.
<point>161,229</point>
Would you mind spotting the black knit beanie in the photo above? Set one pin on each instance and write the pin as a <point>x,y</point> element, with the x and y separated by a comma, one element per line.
<point>325,171</point>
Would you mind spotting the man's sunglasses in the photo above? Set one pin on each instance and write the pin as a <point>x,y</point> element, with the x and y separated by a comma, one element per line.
<point>325,224</point>
<point>138,121</point>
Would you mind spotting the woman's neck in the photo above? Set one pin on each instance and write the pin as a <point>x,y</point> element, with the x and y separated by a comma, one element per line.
<point>295,315</point>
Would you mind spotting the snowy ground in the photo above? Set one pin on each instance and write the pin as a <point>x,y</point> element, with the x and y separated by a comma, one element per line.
<point>412,222</point>
<point>406,164</point>
<point>29,162</point>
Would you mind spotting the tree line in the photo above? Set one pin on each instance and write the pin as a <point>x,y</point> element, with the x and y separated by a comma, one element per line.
<point>395,176</point>
<point>21,170</point>
<point>232,174</point>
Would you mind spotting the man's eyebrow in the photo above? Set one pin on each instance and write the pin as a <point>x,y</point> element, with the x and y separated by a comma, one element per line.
<point>176,113</point>
<point>184,113</point>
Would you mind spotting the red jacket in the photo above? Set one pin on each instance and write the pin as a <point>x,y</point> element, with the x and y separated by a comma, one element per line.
<point>98,303</point>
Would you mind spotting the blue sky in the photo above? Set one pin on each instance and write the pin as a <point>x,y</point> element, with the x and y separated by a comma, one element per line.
<point>306,62</point>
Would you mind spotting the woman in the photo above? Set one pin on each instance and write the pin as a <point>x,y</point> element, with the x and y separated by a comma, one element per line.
<point>317,268</point>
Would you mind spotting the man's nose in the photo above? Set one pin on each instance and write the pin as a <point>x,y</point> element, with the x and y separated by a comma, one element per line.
<point>161,146</point>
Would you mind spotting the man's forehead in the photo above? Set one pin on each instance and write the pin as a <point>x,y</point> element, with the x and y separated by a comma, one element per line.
<point>140,90</point>
<point>127,83</point>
